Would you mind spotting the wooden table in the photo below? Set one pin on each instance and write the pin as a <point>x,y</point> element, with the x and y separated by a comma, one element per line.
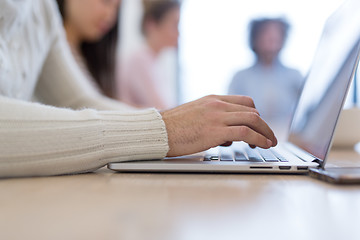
<point>108,205</point>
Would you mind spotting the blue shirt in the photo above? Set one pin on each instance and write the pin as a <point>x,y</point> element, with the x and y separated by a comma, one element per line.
<point>275,91</point>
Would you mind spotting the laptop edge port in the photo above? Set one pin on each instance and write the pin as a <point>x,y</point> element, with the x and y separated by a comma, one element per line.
<point>284,167</point>
<point>302,168</point>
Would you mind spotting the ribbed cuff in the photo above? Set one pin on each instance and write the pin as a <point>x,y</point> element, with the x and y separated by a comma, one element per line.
<point>135,135</point>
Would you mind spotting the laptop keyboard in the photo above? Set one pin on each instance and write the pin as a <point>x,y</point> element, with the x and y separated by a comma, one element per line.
<point>247,154</point>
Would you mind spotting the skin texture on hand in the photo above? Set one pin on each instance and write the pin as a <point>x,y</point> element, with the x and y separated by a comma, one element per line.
<point>214,120</point>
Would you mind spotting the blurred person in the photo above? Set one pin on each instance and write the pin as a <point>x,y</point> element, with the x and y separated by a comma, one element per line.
<point>274,87</point>
<point>75,129</point>
<point>142,81</point>
<point>92,33</point>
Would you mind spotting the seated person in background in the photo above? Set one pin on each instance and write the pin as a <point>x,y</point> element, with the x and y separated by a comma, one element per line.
<point>75,128</point>
<point>274,87</point>
<point>141,82</point>
<point>92,33</point>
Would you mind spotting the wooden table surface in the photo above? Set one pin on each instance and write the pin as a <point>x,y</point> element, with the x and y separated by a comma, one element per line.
<point>108,205</point>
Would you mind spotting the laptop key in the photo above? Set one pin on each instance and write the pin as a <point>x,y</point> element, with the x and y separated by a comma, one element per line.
<point>255,159</point>
<point>254,156</point>
<point>240,157</point>
<point>268,155</point>
<point>279,156</point>
<point>271,160</point>
<point>226,158</point>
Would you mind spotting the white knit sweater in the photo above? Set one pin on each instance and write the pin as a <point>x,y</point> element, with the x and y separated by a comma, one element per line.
<point>53,138</point>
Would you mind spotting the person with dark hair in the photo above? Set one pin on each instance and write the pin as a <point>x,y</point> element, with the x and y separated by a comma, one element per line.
<point>142,81</point>
<point>92,32</point>
<point>76,129</point>
<point>274,87</point>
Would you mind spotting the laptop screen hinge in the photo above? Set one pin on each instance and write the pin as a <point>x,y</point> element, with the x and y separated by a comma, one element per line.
<point>318,161</point>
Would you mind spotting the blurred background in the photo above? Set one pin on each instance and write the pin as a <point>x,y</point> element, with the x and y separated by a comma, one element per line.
<point>210,57</point>
<point>213,42</point>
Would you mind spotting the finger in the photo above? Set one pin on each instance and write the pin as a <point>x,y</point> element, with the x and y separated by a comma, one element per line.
<point>231,107</point>
<point>227,144</point>
<point>248,135</point>
<point>238,99</point>
<point>250,120</point>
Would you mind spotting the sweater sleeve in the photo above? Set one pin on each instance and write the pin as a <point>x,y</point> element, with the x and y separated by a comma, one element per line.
<point>37,140</point>
<point>67,135</point>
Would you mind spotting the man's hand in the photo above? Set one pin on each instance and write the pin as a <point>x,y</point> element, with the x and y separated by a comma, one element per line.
<point>214,120</point>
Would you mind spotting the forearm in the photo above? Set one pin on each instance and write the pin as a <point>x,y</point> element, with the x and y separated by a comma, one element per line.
<point>38,140</point>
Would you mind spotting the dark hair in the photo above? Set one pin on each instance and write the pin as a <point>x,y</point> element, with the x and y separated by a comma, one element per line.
<point>156,10</point>
<point>100,57</point>
<point>256,26</point>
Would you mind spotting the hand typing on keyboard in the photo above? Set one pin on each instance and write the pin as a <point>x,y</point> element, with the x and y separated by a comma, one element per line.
<point>214,120</point>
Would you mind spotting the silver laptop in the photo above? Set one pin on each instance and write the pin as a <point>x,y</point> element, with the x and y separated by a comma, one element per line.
<point>314,120</point>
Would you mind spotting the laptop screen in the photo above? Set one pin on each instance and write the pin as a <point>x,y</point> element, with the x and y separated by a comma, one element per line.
<point>327,83</point>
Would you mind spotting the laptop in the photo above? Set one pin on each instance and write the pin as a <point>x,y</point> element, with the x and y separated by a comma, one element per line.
<point>314,120</point>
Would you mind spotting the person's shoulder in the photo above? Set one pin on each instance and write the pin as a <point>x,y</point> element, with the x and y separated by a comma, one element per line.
<point>46,14</point>
<point>48,9</point>
<point>137,62</point>
<point>241,74</point>
<point>140,55</point>
<point>294,78</point>
<point>240,81</point>
<point>292,72</point>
